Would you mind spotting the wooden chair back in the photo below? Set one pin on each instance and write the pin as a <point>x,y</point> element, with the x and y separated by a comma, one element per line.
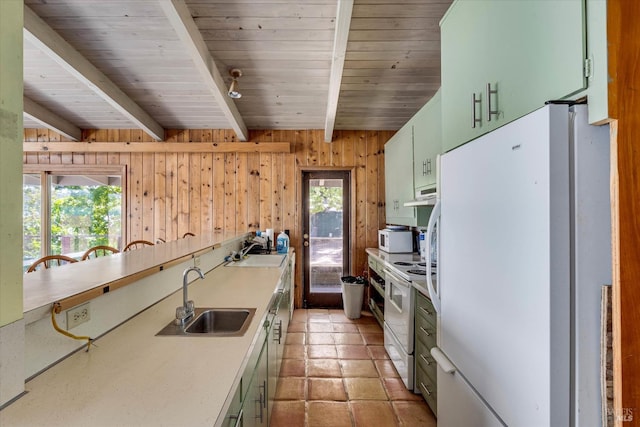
<point>100,250</point>
<point>49,261</point>
<point>136,244</point>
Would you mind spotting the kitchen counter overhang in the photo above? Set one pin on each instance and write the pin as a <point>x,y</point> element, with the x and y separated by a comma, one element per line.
<point>43,287</point>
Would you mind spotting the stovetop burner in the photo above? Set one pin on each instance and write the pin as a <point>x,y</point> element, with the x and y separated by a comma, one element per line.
<point>402,263</point>
<point>421,272</point>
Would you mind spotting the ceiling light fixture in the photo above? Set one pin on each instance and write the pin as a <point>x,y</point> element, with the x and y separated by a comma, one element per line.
<point>233,89</point>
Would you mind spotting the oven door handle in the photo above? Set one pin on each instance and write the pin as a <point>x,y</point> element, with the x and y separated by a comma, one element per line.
<point>390,273</point>
<point>435,215</point>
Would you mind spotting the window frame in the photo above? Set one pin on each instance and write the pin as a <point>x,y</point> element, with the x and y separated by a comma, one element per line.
<point>45,206</point>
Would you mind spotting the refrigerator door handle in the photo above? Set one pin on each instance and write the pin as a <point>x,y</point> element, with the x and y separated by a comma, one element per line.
<point>443,361</point>
<point>435,215</point>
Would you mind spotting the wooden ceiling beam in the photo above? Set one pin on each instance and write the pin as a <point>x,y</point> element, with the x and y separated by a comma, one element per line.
<point>156,147</point>
<point>343,23</point>
<point>182,22</point>
<point>52,44</point>
<point>51,120</point>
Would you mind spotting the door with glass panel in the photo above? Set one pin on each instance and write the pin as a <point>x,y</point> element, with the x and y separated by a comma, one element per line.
<point>325,239</point>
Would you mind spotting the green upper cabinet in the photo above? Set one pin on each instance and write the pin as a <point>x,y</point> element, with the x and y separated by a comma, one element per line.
<point>398,170</point>
<point>598,65</point>
<point>504,59</point>
<point>427,143</point>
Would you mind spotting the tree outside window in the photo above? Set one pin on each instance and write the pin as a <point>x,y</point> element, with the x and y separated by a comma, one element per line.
<point>84,212</point>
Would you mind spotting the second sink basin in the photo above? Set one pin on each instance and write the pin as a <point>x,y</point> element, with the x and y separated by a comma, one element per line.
<point>228,322</point>
<point>259,261</point>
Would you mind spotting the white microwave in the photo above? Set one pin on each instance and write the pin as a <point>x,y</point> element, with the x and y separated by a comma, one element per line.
<point>395,241</point>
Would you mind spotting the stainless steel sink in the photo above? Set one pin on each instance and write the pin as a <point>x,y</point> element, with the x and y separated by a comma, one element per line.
<point>213,322</point>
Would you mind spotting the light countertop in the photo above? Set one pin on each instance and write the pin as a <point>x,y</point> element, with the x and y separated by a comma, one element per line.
<point>389,259</point>
<point>132,377</point>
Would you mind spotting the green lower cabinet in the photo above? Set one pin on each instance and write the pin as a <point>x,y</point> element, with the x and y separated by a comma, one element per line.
<point>248,407</point>
<point>504,59</point>
<point>252,402</point>
<point>427,387</point>
<point>254,407</point>
<point>273,352</point>
<point>425,340</point>
<point>426,362</point>
<point>234,414</point>
<point>277,337</point>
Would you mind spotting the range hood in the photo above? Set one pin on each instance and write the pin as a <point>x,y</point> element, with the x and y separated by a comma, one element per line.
<point>426,197</point>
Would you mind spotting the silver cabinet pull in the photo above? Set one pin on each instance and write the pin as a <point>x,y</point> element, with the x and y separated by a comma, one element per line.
<point>424,387</point>
<point>428,166</point>
<point>238,418</point>
<point>422,356</point>
<point>424,168</point>
<point>475,119</point>
<point>490,111</point>
<point>425,331</point>
<point>427,312</point>
<point>263,393</point>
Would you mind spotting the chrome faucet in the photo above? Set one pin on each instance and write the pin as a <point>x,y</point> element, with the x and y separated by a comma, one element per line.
<point>185,312</point>
<point>244,251</point>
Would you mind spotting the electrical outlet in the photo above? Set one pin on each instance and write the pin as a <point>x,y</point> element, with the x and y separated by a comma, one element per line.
<point>196,261</point>
<point>78,315</point>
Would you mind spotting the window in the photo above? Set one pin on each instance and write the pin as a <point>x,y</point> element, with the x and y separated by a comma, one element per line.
<point>31,219</point>
<point>67,211</point>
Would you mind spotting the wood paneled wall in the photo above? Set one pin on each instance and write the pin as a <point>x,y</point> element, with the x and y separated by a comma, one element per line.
<point>169,194</point>
<point>623,37</point>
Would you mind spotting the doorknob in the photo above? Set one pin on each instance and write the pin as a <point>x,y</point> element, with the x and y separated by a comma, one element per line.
<point>306,243</point>
<point>305,235</point>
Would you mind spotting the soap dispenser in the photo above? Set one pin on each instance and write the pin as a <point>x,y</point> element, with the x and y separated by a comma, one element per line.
<point>282,243</point>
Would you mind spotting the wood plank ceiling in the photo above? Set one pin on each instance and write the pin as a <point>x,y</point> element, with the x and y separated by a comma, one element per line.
<point>155,64</point>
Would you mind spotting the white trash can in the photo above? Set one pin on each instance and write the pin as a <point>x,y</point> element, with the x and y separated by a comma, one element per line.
<point>352,295</point>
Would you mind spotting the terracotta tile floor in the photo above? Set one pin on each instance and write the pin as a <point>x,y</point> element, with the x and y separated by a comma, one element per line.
<point>336,373</point>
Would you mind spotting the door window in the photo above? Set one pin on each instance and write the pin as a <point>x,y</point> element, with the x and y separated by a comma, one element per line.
<point>326,236</point>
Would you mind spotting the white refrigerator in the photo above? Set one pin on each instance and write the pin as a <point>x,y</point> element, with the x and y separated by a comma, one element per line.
<point>525,247</point>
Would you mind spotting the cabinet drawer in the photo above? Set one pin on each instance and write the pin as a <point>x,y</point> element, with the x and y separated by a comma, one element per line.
<point>427,388</point>
<point>425,309</point>
<point>425,332</point>
<point>425,361</point>
<point>375,266</point>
